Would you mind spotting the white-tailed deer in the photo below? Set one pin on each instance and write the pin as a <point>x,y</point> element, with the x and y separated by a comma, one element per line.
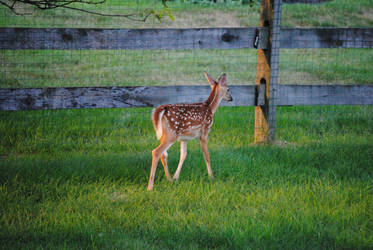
<point>183,122</point>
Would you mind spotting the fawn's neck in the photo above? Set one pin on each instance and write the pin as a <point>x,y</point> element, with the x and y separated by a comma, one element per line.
<point>214,99</point>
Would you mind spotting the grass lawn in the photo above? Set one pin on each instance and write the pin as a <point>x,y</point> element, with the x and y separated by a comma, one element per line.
<point>77,179</point>
<point>67,68</point>
<point>334,13</point>
<point>64,68</point>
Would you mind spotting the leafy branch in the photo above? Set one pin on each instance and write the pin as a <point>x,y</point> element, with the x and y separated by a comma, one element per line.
<point>140,16</point>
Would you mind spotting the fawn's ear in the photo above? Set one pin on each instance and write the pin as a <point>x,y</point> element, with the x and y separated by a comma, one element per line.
<point>223,79</point>
<point>210,80</point>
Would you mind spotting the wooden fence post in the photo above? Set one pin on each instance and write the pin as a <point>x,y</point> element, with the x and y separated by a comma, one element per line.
<point>267,72</point>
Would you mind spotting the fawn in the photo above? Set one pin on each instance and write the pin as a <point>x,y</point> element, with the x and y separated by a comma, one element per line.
<point>183,122</point>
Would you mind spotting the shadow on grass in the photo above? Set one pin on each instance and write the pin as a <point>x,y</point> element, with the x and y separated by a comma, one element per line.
<point>260,234</point>
<point>74,238</point>
<point>244,164</point>
<point>99,200</point>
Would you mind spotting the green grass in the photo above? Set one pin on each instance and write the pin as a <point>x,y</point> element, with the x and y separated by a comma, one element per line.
<point>73,179</point>
<point>326,66</point>
<point>47,68</point>
<point>37,68</point>
<point>186,15</point>
<point>64,68</point>
<point>339,13</point>
<point>77,179</point>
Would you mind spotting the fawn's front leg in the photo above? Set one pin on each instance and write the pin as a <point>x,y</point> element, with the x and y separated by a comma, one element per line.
<point>203,141</point>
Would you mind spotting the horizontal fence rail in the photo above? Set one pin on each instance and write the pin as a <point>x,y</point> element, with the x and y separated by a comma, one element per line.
<point>325,95</point>
<point>125,97</point>
<point>65,38</point>
<point>209,38</point>
<point>326,38</point>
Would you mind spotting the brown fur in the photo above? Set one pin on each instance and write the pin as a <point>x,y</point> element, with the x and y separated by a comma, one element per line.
<point>184,122</point>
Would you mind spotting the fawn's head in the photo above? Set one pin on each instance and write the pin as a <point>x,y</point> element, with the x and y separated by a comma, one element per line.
<point>221,86</point>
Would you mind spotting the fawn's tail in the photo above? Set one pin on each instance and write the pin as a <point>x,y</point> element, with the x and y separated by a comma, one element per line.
<point>157,115</point>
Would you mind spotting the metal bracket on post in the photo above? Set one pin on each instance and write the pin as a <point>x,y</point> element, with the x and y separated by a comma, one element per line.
<point>260,94</point>
<point>261,38</point>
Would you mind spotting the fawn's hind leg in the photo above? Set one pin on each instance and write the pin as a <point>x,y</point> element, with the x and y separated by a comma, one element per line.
<point>164,163</point>
<point>157,153</point>
<point>183,154</point>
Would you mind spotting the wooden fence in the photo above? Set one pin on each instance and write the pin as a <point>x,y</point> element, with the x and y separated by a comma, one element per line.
<point>128,97</point>
<point>208,38</point>
<point>266,95</point>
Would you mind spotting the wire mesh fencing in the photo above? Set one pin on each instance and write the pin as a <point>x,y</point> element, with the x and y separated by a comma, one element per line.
<point>327,66</point>
<point>66,68</point>
<point>91,68</point>
<point>42,68</point>
<point>53,131</point>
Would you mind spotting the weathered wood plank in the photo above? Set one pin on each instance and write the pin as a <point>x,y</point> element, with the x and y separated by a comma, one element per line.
<point>325,95</point>
<point>326,38</point>
<point>113,97</point>
<point>66,38</point>
<point>124,97</point>
<point>217,38</point>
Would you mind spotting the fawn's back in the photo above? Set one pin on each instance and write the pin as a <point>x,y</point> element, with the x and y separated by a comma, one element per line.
<point>184,121</point>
